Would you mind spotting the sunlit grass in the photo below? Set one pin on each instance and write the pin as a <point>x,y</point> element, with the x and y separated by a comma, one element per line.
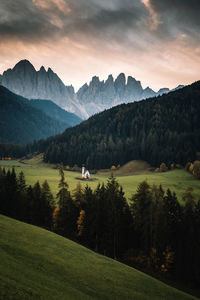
<point>177,181</point>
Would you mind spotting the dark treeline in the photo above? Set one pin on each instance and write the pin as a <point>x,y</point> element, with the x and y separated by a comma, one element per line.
<point>12,150</point>
<point>163,129</point>
<point>29,204</point>
<point>154,233</point>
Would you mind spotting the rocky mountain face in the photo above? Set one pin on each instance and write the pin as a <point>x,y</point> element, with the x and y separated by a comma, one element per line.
<point>24,80</point>
<point>100,95</point>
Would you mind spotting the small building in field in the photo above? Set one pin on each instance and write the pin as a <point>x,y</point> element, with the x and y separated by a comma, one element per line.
<point>85,173</point>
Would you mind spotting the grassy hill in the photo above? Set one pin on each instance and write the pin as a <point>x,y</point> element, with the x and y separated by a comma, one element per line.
<point>133,167</point>
<point>38,264</point>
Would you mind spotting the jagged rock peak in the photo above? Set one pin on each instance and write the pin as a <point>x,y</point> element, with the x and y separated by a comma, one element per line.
<point>120,80</point>
<point>24,64</point>
<point>95,79</point>
<point>121,76</point>
<point>70,89</point>
<point>50,70</point>
<point>148,89</point>
<point>110,77</point>
<point>163,91</point>
<point>42,69</point>
<point>132,80</point>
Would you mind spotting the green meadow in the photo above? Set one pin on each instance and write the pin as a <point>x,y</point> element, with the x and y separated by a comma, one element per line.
<point>177,180</point>
<point>38,264</point>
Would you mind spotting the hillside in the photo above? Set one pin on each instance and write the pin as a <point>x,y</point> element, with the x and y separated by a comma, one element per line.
<point>20,123</point>
<point>38,264</point>
<point>56,112</point>
<point>162,129</point>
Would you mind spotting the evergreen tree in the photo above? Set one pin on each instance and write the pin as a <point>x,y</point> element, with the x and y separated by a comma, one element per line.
<point>142,211</point>
<point>68,213</point>
<point>47,205</point>
<point>187,259</point>
<point>171,219</point>
<point>11,193</point>
<point>22,190</point>
<point>119,219</point>
<point>158,242</point>
<point>36,212</point>
<point>78,196</point>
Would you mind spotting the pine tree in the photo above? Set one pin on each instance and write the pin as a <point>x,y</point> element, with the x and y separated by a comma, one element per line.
<point>171,219</point>
<point>21,182</point>
<point>142,211</point>
<point>22,190</point>
<point>68,213</point>
<point>78,196</point>
<point>119,217</point>
<point>48,205</point>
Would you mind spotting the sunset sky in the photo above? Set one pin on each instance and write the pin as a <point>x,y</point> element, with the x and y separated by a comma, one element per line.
<point>155,41</point>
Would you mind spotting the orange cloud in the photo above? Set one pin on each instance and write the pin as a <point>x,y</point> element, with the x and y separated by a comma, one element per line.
<point>60,5</point>
<point>54,9</point>
<point>154,20</point>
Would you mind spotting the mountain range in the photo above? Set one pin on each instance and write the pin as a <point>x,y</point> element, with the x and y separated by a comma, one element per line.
<point>91,98</point>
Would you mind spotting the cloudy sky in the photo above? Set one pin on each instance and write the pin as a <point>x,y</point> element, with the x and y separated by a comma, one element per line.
<point>157,42</point>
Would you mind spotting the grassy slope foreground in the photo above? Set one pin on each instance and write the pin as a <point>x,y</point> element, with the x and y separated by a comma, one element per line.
<point>37,264</point>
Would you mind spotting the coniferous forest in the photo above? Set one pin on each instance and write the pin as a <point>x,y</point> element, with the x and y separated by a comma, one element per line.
<point>163,129</point>
<point>154,233</point>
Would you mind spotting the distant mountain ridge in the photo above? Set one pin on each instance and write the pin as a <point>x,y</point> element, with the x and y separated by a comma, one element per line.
<point>20,123</point>
<point>101,95</point>
<point>90,99</point>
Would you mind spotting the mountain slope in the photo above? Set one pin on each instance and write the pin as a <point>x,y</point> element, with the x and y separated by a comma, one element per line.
<point>38,264</point>
<point>56,112</point>
<point>21,123</point>
<point>163,129</point>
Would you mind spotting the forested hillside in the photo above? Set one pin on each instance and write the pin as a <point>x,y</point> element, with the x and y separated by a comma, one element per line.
<point>163,129</point>
<point>21,123</point>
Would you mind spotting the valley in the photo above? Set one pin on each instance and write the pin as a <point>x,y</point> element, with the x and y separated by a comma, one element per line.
<point>99,150</point>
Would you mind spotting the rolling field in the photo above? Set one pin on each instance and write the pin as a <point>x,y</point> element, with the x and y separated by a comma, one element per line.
<point>38,264</point>
<point>177,180</point>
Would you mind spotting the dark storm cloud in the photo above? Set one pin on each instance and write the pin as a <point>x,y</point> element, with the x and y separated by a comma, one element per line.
<point>26,19</point>
<point>20,19</point>
<point>178,17</point>
<point>109,24</point>
<point>113,20</point>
